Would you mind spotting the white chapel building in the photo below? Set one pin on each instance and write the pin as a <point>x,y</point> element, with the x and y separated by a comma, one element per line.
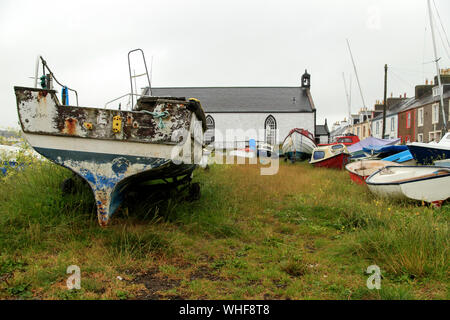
<point>272,111</point>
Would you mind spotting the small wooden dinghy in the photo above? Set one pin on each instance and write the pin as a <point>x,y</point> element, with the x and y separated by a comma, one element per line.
<point>333,156</point>
<point>360,170</point>
<point>160,138</point>
<point>423,183</point>
<point>298,144</point>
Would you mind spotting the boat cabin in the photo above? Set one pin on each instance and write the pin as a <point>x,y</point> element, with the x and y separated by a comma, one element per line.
<point>326,152</point>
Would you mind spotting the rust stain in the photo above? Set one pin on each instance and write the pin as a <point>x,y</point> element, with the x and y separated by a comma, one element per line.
<point>42,95</point>
<point>70,126</point>
<point>129,120</point>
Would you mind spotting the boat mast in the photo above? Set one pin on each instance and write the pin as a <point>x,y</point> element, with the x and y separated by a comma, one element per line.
<point>349,103</point>
<point>437,69</point>
<point>356,73</point>
<point>359,86</point>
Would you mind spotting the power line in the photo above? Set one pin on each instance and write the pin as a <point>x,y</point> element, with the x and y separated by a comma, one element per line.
<point>401,79</point>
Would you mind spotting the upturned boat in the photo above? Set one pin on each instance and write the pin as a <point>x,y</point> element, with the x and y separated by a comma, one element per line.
<point>298,144</point>
<point>332,156</point>
<point>360,170</point>
<point>160,138</point>
<point>426,153</point>
<point>423,183</point>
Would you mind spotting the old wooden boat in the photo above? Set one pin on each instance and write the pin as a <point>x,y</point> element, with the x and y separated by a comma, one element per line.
<point>114,150</point>
<point>332,156</point>
<point>424,183</point>
<point>426,153</point>
<point>360,170</point>
<point>298,145</point>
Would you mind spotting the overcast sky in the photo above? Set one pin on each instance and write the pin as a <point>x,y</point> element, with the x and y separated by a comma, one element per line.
<point>222,43</point>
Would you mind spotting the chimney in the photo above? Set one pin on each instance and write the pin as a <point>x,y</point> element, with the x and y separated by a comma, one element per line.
<point>404,95</point>
<point>426,81</point>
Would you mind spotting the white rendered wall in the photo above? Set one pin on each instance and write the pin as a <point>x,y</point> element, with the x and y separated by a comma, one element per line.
<point>323,139</point>
<point>248,122</point>
<point>393,134</point>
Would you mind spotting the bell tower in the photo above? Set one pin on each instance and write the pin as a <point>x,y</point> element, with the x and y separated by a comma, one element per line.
<point>306,80</point>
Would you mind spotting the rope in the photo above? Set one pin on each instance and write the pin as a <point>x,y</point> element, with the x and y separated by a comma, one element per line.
<point>158,115</point>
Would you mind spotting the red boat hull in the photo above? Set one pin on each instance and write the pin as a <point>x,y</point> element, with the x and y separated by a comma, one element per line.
<point>357,178</point>
<point>335,162</point>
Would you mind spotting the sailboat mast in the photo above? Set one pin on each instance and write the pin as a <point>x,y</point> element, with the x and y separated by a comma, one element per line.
<point>437,68</point>
<point>356,73</point>
<point>348,99</point>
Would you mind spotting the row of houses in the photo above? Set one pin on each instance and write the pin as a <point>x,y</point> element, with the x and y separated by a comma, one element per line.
<point>418,118</point>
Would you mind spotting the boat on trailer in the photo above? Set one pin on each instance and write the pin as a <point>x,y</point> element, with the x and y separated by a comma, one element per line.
<point>332,156</point>
<point>298,145</point>
<point>360,170</point>
<point>423,183</point>
<point>160,138</point>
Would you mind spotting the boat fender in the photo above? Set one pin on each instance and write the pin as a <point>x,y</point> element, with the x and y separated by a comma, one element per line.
<point>196,107</point>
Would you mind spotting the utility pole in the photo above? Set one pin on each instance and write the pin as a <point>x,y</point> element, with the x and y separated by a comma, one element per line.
<point>441,92</point>
<point>384,101</point>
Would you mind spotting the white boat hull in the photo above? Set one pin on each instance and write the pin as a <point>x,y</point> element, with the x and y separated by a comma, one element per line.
<point>423,183</point>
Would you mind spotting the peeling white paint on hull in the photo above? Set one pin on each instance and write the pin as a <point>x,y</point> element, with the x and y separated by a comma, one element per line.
<point>113,149</point>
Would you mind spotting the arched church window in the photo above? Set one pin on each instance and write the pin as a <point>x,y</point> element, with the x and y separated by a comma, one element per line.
<point>210,128</point>
<point>270,127</point>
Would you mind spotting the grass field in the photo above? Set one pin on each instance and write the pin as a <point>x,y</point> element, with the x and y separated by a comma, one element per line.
<point>304,233</point>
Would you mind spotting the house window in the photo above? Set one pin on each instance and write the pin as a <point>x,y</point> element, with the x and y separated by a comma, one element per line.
<point>377,128</point>
<point>420,137</point>
<point>270,127</point>
<point>420,118</point>
<point>435,136</point>
<point>210,128</point>
<point>392,124</point>
<point>436,91</point>
<point>408,120</point>
<point>357,131</point>
<point>435,113</point>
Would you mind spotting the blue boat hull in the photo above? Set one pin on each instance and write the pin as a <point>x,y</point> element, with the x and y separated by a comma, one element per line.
<point>110,176</point>
<point>425,155</point>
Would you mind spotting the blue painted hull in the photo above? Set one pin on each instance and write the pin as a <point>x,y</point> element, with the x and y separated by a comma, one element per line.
<point>424,155</point>
<point>400,157</point>
<point>111,176</point>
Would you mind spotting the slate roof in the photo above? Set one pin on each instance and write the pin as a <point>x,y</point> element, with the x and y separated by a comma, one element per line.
<point>322,130</point>
<point>244,99</point>
<point>411,103</point>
